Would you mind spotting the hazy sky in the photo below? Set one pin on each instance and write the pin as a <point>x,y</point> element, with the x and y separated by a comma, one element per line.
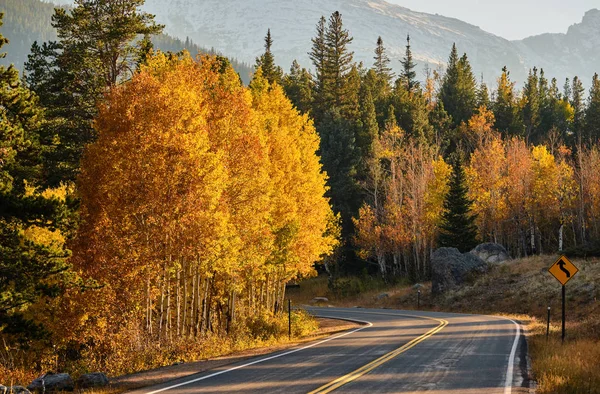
<point>511,19</point>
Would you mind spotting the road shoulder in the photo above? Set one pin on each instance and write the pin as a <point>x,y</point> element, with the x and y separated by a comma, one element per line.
<point>327,327</point>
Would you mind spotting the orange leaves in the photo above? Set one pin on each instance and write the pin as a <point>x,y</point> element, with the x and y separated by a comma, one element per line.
<point>409,181</point>
<point>197,182</point>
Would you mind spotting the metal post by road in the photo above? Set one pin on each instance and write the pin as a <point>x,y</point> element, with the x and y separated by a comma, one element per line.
<point>563,313</point>
<point>419,299</point>
<point>548,325</point>
<point>289,318</point>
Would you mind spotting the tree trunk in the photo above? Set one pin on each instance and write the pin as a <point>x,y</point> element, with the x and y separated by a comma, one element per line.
<point>560,237</point>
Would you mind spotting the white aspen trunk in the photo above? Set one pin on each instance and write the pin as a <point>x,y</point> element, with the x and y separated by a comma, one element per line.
<point>532,229</point>
<point>148,306</point>
<point>193,311</point>
<point>560,237</point>
<point>382,267</point>
<point>581,198</point>
<point>162,304</point>
<point>198,306</point>
<point>204,322</point>
<point>185,299</point>
<point>178,301</point>
<point>168,315</point>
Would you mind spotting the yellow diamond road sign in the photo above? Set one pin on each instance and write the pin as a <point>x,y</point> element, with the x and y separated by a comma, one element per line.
<point>563,270</point>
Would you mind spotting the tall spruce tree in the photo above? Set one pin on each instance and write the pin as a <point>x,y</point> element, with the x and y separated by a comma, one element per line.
<point>567,90</point>
<point>458,229</point>
<point>30,222</point>
<point>531,108</point>
<point>592,113</point>
<point>270,71</point>
<point>483,95</point>
<point>299,86</point>
<point>368,128</point>
<point>340,158</point>
<point>338,61</point>
<point>409,75</point>
<point>382,63</point>
<point>504,105</point>
<point>97,48</point>
<point>458,91</point>
<point>318,56</point>
<point>578,104</point>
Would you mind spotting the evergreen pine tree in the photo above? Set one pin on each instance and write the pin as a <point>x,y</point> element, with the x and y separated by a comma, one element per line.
<point>504,106</point>
<point>29,266</point>
<point>340,159</point>
<point>409,75</point>
<point>578,104</point>
<point>270,71</point>
<point>458,229</point>
<point>318,55</point>
<point>546,104</point>
<point>483,95</point>
<point>299,86</point>
<point>442,125</point>
<point>592,113</point>
<point>98,48</point>
<point>458,91</point>
<point>567,90</point>
<point>338,61</point>
<point>368,129</point>
<point>382,63</point>
<point>350,105</point>
<point>531,107</point>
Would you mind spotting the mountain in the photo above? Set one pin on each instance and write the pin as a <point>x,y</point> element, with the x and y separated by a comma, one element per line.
<point>26,21</point>
<point>238,27</point>
<point>575,53</point>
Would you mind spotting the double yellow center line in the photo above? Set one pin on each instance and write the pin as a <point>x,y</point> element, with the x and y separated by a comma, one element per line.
<point>339,382</point>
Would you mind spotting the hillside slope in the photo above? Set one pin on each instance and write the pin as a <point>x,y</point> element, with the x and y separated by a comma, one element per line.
<point>238,28</point>
<point>26,21</point>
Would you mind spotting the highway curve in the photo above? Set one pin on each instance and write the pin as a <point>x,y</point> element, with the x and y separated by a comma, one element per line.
<point>393,352</point>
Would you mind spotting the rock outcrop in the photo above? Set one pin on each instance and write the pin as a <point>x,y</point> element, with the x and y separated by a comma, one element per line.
<point>450,269</point>
<point>52,382</point>
<point>491,253</point>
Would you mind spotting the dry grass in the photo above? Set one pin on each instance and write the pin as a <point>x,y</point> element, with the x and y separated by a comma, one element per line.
<point>264,332</point>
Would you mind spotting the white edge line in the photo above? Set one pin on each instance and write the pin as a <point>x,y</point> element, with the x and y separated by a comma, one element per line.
<point>511,360</point>
<point>367,325</point>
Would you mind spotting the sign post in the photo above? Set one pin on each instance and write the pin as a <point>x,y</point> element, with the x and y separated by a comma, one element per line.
<point>548,325</point>
<point>563,270</point>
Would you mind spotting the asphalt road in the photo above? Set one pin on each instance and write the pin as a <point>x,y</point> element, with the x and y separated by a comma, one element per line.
<point>394,352</point>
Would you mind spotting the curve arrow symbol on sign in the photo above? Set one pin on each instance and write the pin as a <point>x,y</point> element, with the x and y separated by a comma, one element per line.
<point>561,265</point>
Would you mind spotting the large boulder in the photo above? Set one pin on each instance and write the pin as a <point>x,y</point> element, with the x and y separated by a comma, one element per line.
<point>450,269</point>
<point>88,380</point>
<point>52,382</point>
<point>491,253</point>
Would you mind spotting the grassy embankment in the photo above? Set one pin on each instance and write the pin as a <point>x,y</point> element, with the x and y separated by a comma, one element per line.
<point>520,287</point>
<point>261,336</point>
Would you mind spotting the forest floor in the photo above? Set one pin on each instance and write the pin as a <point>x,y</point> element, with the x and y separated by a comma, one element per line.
<point>522,289</point>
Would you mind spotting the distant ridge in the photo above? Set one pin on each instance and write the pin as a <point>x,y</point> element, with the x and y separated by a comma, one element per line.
<point>26,21</point>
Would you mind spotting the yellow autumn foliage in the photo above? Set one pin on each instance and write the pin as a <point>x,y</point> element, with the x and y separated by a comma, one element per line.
<point>201,198</point>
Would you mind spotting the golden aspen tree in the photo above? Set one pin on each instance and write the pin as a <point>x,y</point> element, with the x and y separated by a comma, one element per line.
<point>518,186</point>
<point>149,184</point>
<point>589,176</point>
<point>299,212</point>
<point>486,182</point>
<point>201,198</point>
